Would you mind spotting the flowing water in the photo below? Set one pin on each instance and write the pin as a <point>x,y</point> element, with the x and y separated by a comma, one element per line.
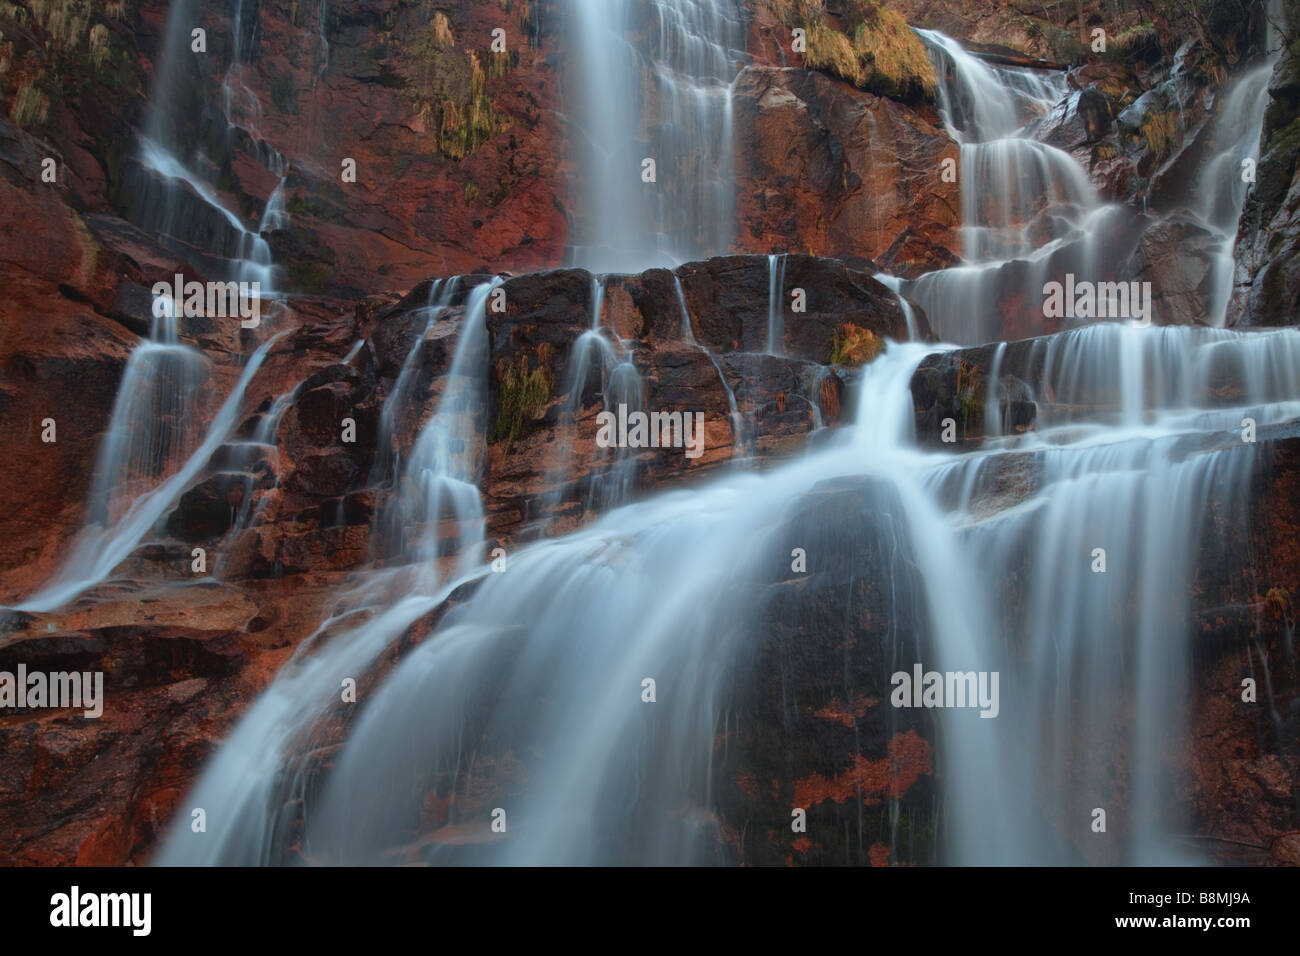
<point>177,177</point>
<point>651,81</point>
<point>526,695</point>
<point>137,437</point>
<point>523,692</point>
<point>155,446</point>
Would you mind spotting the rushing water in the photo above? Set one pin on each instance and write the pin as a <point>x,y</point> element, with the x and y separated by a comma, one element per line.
<point>136,437</point>
<point>177,176</point>
<point>525,698</point>
<point>651,81</point>
<point>520,690</point>
<point>155,446</point>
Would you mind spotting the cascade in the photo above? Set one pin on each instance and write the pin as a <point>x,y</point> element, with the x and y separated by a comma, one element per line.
<point>241,254</point>
<point>678,94</point>
<point>439,480</point>
<point>528,694</point>
<point>775,303</point>
<point>154,448</point>
<point>733,411</point>
<point>108,539</point>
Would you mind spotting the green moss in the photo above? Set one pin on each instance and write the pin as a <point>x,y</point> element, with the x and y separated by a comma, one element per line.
<point>893,58</point>
<point>521,395</point>
<point>76,55</point>
<point>793,13</point>
<point>499,64</point>
<point>971,389</point>
<point>442,30</point>
<point>466,127</point>
<point>448,91</point>
<point>311,276</point>
<point>972,412</point>
<point>885,55</point>
<point>30,106</point>
<point>1104,152</point>
<point>1136,43</point>
<point>99,48</point>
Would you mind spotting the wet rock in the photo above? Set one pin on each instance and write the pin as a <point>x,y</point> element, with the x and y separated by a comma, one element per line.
<point>1268,249</point>
<point>827,169</point>
<point>208,509</point>
<point>954,386</point>
<point>1177,258</point>
<point>815,730</point>
<point>1081,119</point>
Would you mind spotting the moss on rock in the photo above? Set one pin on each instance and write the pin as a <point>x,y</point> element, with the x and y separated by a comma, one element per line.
<point>876,51</point>
<point>522,393</point>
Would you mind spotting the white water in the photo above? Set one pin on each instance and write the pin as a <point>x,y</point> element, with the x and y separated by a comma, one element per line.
<point>248,257</point>
<point>775,304</point>
<point>667,97</point>
<point>440,478</point>
<point>578,622</point>
<point>154,447</point>
<point>1031,208</point>
<point>102,545</point>
<point>1220,190</point>
<point>1009,183</point>
<point>527,694</point>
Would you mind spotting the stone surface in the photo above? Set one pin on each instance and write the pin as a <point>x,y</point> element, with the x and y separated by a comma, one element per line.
<point>833,171</point>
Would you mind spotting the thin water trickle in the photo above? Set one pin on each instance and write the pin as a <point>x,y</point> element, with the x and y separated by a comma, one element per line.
<point>108,540</point>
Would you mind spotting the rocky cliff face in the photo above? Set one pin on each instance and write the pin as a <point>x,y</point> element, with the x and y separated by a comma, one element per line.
<point>461,169</point>
<point>832,170</point>
<point>698,337</point>
<point>1268,285</point>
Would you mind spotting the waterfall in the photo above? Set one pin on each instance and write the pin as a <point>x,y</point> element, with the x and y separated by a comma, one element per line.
<point>1220,188</point>
<point>1009,183</point>
<point>439,480</point>
<point>400,400</point>
<point>739,442</point>
<point>109,539</point>
<point>241,254</point>
<point>587,694</point>
<point>651,82</point>
<point>154,448</point>
<point>1030,210</point>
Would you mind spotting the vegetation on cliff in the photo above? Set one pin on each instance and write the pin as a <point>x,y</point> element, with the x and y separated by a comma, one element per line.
<point>862,42</point>
<point>54,51</point>
<point>521,394</point>
<point>853,345</point>
<point>447,87</point>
